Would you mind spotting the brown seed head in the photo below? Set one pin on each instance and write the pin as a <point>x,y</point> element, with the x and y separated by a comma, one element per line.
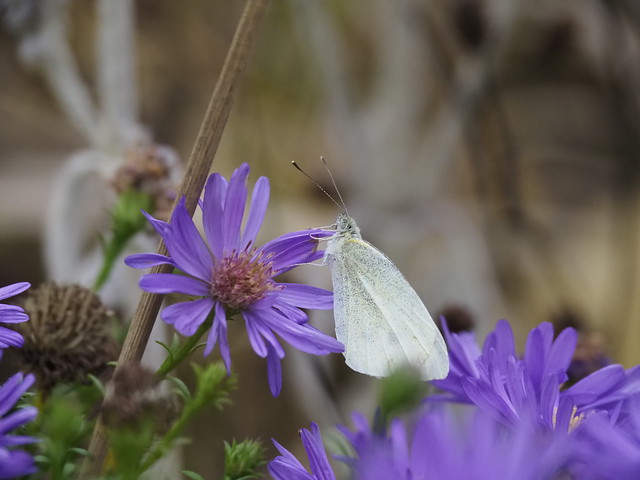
<point>67,336</point>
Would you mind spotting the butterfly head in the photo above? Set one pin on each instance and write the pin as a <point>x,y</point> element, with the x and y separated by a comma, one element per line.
<point>346,226</point>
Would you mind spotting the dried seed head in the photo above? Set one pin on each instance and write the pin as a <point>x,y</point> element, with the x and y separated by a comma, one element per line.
<point>67,336</point>
<point>150,169</point>
<point>136,396</point>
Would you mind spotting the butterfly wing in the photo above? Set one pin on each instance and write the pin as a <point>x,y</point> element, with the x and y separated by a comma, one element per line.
<point>380,318</point>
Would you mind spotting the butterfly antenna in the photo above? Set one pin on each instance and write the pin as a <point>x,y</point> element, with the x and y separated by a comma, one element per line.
<point>318,185</point>
<point>335,186</point>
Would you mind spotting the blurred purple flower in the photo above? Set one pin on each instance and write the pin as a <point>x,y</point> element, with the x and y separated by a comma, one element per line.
<point>12,314</point>
<point>230,275</point>
<point>528,389</point>
<point>439,445</point>
<point>443,445</point>
<point>15,463</point>
<point>287,467</point>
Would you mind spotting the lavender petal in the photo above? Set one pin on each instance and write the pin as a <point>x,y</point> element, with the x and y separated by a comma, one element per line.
<point>186,317</point>
<point>186,246</point>
<point>306,296</point>
<point>274,371</point>
<point>148,260</point>
<point>259,202</point>
<point>214,195</point>
<point>234,208</point>
<point>173,283</point>
<point>14,289</point>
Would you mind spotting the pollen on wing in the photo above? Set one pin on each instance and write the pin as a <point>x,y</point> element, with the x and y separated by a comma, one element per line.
<point>240,280</point>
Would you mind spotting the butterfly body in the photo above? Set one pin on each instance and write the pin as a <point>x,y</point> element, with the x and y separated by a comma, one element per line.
<point>379,317</point>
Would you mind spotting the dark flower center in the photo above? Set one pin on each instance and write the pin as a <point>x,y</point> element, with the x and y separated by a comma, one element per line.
<point>239,281</point>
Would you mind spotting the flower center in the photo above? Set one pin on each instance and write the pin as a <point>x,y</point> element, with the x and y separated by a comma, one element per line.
<point>239,281</point>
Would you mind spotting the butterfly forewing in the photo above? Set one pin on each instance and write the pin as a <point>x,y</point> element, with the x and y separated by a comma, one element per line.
<point>379,317</point>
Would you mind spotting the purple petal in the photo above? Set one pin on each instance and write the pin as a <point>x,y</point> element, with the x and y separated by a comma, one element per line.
<point>274,371</point>
<point>597,385</point>
<point>318,461</point>
<point>287,466</point>
<point>290,312</point>
<point>158,225</point>
<point>148,260</point>
<point>10,338</point>
<point>219,331</point>
<point>562,350</point>
<point>185,245</point>
<point>12,390</point>
<point>303,337</point>
<point>535,353</point>
<point>14,289</point>
<point>186,317</point>
<point>12,314</point>
<point>259,202</point>
<point>256,340</point>
<point>16,440</point>
<point>305,296</point>
<point>214,195</point>
<point>173,283</point>
<point>234,208</point>
<point>17,418</point>
<point>268,335</point>
<point>14,464</point>
<point>292,249</point>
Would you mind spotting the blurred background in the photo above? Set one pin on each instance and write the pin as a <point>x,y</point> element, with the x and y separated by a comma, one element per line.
<point>489,147</point>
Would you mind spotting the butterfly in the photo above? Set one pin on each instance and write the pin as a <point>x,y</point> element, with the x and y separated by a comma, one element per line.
<point>379,317</point>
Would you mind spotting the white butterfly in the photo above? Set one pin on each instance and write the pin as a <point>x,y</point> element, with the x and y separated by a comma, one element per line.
<point>379,317</point>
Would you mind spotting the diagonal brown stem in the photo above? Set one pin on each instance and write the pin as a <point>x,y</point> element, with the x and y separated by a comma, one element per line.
<point>192,184</point>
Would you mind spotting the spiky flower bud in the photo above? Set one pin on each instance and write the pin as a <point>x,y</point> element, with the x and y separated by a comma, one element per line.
<point>138,397</point>
<point>68,336</point>
<point>149,169</point>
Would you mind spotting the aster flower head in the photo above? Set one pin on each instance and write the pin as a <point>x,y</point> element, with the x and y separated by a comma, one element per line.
<point>13,461</point>
<point>12,314</point>
<point>528,390</point>
<point>441,444</point>
<point>228,274</point>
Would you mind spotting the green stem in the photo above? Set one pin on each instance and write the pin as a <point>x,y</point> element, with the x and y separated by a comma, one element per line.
<point>172,361</point>
<point>166,443</point>
<point>112,250</point>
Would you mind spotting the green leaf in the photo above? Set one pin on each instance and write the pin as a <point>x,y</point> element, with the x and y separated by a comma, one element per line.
<point>166,347</point>
<point>181,387</point>
<point>95,381</point>
<point>192,475</point>
<point>80,451</point>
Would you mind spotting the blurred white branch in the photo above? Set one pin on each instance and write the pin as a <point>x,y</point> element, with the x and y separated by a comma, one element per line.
<point>47,49</point>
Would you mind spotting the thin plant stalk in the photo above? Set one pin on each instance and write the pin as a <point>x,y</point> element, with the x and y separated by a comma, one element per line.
<point>191,187</point>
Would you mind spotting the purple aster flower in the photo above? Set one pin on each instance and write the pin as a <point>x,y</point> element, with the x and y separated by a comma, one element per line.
<point>443,445</point>
<point>528,389</point>
<point>227,274</point>
<point>287,467</point>
<point>11,314</point>
<point>13,462</point>
<point>439,445</point>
